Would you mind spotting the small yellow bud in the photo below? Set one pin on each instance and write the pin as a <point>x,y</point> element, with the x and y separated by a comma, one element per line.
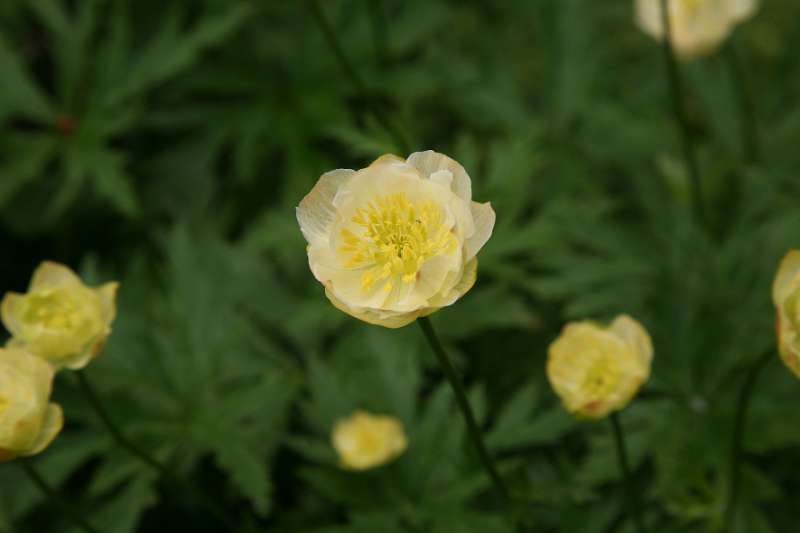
<point>596,370</point>
<point>28,422</point>
<point>396,240</point>
<point>697,27</point>
<point>60,319</point>
<point>786,296</point>
<point>365,441</point>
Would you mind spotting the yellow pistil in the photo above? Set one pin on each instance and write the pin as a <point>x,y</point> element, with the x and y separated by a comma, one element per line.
<point>396,238</point>
<point>601,380</point>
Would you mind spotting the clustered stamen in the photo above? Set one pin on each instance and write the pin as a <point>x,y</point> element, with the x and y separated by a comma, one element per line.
<point>398,236</point>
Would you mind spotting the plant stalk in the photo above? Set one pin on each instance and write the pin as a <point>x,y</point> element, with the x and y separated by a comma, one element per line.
<point>634,505</point>
<point>94,400</point>
<point>350,71</point>
<point>678,103</point>
<point>739,427</point>
<point>750,137</point>
<point>51,493</point>
<point>463,403</point>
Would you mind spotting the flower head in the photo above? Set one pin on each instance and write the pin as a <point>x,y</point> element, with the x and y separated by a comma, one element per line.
<point>596,370</point>
<point>697,27</point>
<point>28,422</point>
<point>365,441</point>
<point>60,319</point>
<point>396,240</point>
<point>786,296</point>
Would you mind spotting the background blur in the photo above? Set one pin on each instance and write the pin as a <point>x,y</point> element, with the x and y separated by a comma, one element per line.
<point>166,144</point>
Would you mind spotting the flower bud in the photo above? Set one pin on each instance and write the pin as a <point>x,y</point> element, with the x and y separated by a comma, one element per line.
<point>596,370</point>
<point>365,441</point>
<point>60,319</point>
<point>28,422</point>
<point>786,297</point>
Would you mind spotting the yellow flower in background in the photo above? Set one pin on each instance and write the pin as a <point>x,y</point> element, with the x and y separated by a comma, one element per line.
<point>786,296</point>
<point>596,370</point>
<point>60,319</point>
<point>396,240</point>
<point>697,26</point>
<point>28,422</point>
<point>365,441</point>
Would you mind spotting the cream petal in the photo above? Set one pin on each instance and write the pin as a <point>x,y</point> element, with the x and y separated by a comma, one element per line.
<point>374,316</point>
<point>741,10</point>
<point>51,426</point>
<point>648,17</point>
<point>786,281</point>
<point>387,159</point>
<point>483,217</point>
<point>316,211</point>
<point>430,162</point>
<point>634,334</point>
<point>460,288</point>
<point>50,274</point>
<point>108,300</point>
<point>8,311</point>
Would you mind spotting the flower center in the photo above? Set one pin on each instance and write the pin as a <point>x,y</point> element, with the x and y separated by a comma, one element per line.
<point>54,308</point>
<point>692,5</point>
<point>394,238</point>
<point>601,378</point>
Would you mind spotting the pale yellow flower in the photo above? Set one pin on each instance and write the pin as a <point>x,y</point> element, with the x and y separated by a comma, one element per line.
<point>396,240</point>
<point>697,26</point>
<point>786,296</point>
<point>596,370</point>
<point>28,422</point>
<point>60,319</point>
<point>365,441</point>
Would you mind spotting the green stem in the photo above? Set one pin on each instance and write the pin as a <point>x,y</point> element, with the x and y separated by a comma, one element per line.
<point>149,460</point>
<point>51,493</point>
<point>678,100</point>
<point>635,507</point>
<point>463,403</point>
<point>750,137</point>
<point>737,447</point>
<point>351,72</point>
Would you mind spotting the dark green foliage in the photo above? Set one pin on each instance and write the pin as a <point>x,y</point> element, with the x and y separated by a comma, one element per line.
<point>165,144</point>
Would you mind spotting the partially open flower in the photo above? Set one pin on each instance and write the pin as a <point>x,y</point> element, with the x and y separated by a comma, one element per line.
<point>596,370</point>
<point>697,27</point>
<point>60,319</point>
<point>396,240</point>
<point>28,422</point>
<point>786,296</point>
<point>365,441</point>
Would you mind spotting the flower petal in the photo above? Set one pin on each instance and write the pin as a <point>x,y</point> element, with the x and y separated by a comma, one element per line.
<point>8,311</point>
<point>386,319</point>
<point>51,427</point>
<point>483,217</point>
<point>50,274</point>
<point>316,211</point>
<point>430,162</point>
<point>461,287</point>
<point>633,333</point>
<point>741,10</point>
<point>108,300</point>
<point>788,277</point>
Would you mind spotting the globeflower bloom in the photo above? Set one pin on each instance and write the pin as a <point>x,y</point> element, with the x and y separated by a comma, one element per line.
<point>28,422</point>
<point>697,27</point>
<point>365,441</point>
<point>786,296</point>
<point>396,240</point>
<point>597,370</point>
<point>60,319</point>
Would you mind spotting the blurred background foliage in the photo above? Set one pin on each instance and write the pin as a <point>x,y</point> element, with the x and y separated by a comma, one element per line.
<point>165,144</point>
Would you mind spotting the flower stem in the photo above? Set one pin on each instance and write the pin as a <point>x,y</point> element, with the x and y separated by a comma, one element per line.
<point>737,447</point>
<point>678,100</point>
<point>149,460</point>
<point>463,403</point>
<point>750,137</point>
<point>351,72</point>
<point>635,507</point>
<point>51,493</point>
